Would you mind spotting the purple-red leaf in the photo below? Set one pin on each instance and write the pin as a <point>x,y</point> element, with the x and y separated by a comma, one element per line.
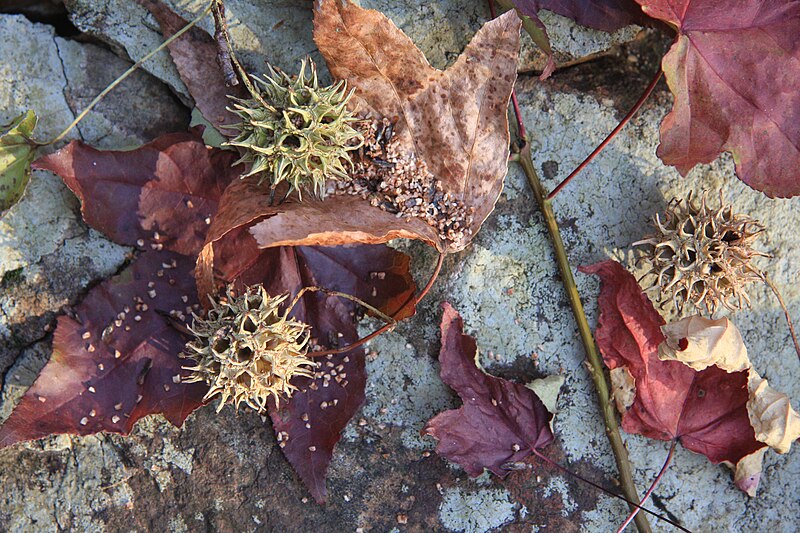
<point>706,411</point>
<point>194,54</point>
<point>117,359</point>
<point>309,424</point>
<point>500,421</point>
<point>172,187</point>
<point>734,70</point>
<point>606,15</point>
<point>160,195</point>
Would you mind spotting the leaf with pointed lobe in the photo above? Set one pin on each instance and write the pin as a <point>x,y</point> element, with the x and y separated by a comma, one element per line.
<point>115,359</point>
<point>500,421</point>
<point>734,69</point>
<point>158,196</point>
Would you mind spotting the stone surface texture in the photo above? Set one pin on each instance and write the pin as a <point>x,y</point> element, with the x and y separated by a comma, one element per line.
<point>43,234</point>
<point>278,31</point>
<point>225,472</point>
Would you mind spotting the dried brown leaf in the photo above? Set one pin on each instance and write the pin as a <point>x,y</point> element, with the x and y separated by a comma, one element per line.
<point>454,121</point>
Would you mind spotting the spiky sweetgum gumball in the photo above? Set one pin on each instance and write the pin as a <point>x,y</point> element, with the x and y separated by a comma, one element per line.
<point>295,131</point>
<point>247,350</point>
<point>703,256</point>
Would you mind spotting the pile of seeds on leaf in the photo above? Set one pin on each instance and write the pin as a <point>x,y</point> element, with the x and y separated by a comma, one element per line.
<point>396,181</point>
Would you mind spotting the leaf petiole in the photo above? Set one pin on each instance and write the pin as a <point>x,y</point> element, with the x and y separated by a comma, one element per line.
<point>637,507</point>
<point>412,300</point>
<point>650,491</point>
<point>627,118</point>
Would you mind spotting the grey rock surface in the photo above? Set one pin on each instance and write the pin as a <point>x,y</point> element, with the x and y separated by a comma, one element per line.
<point>43,234</point>
<point>278,31</point>
<point>225,472</point>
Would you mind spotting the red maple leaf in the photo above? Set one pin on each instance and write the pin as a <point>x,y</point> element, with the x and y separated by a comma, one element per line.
<point>706,411</point>
<point>734,70</point>
<point>161,197</point>
<point>500,421</point>
<point>115,359</point>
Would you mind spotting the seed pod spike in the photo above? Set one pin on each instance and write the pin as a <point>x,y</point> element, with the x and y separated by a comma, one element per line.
<point>247,350</point>
<point>710,252</point>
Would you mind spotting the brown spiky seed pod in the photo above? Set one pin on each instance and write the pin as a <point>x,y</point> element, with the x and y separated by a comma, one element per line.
<point>702,256</point>
<point>247,350</point>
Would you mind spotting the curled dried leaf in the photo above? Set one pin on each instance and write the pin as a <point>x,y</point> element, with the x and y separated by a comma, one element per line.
<point>700,342</point>
<point>771,415</point>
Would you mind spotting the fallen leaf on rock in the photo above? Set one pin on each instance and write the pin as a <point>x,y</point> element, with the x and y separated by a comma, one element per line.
<point>115,360</point>
<point>159,196</point>
<point>500,421</point>
<point>462,141</point>
<point>309,424</point>
<point>700,342</point>
<point>605,15</point>
<point>734,69</point>
<point>16,154</point>
<point>712,411</point>
<point>194,55</point>
<point>172,187</point>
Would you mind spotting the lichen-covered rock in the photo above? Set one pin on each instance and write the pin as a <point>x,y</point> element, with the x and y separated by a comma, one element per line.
<point>279,32</point>
<point>47,255</point>
<point>220,472</point>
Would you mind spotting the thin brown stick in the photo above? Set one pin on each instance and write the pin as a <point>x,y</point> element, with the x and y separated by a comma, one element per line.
<point>415,299</point>
<point>338,294</point>
<point>223,51</point>
<point>599,487</point>
<point>627,118</point>
<point>242,72</point>
<point>650,490</point>
<point>775,290</point>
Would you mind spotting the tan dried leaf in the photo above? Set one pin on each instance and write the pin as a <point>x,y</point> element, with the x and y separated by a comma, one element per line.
<point>700,342</point>
<point>771,415</point>
<point>747,472</point>
<point>623,388</point>
<point>453,121</point>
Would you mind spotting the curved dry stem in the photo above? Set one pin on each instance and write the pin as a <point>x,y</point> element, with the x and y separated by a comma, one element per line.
<point>128,72</point>
<point>222,28</point>
<point>650,490</point>
<point>627,118</point>
<point>338,294</point>
<point>388,327</point>
<point>637,506</point>
<point>777,293</point>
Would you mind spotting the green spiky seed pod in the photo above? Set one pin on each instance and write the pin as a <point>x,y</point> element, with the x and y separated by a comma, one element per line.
<point>295,131</point>
<point>247,350</point>
<point>703,256</point>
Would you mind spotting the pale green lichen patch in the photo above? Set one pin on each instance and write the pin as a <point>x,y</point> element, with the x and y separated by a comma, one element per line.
<point>476,511</point>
